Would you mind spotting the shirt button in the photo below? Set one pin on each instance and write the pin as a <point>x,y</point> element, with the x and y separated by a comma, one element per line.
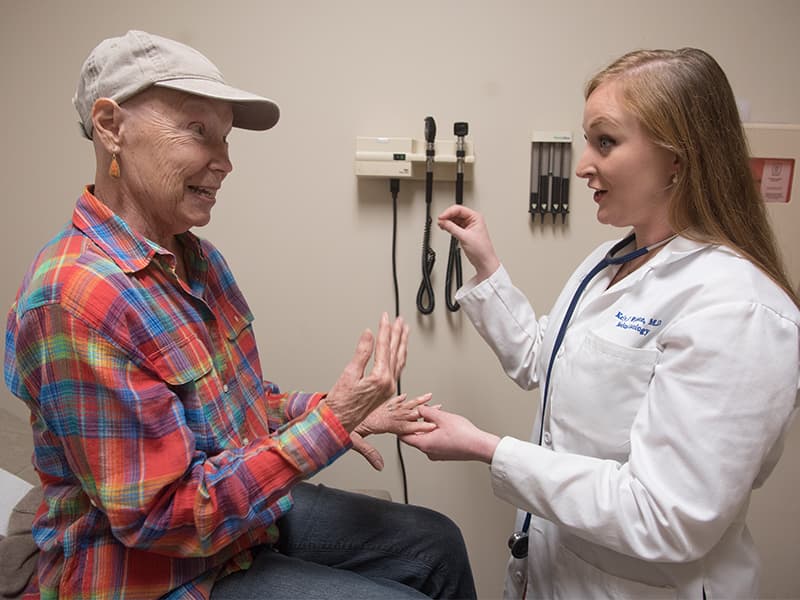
<point>518,576</point>
<point>225,388</point>
<point>245,440</point>
<point>547,438</point>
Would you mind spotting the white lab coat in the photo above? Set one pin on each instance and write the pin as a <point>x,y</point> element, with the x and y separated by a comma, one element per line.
<point>669,400</point>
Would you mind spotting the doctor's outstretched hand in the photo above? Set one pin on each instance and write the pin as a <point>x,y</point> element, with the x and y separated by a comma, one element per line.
<point>455,438</point>
<point>469,228</point>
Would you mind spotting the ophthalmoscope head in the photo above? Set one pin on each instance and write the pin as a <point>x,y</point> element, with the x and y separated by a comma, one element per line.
<point>430,130</point>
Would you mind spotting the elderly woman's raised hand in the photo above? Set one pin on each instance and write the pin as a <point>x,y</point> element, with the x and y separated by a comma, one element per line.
<point>356,394</point>
<point>470,229</point>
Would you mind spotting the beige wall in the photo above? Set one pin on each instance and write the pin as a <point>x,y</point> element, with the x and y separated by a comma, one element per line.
<point>311,245</point>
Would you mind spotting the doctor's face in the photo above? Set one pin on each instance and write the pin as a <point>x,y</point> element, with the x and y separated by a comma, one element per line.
<point>631,176</point>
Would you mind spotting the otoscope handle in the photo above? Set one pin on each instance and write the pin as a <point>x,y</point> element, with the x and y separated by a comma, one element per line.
<point>460,129</point>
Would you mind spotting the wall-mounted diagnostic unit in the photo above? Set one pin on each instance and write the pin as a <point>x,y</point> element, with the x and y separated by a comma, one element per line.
<point>405,158</point>
<point>396,158</point>
<point>551,166</point>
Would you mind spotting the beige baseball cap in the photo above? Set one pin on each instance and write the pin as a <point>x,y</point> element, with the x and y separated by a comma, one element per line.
<point>121,67</point>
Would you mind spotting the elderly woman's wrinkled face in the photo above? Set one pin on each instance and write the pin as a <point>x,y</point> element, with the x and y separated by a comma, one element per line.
<point>174,153</point>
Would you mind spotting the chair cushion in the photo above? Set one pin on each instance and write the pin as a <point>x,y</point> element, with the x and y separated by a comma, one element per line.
<point>18,551</point>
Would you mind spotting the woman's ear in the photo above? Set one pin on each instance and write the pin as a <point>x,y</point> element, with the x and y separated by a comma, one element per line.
<point>676,167</point>
<point>106,120</point>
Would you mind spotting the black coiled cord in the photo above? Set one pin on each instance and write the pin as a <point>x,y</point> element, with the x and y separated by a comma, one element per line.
<point>425,306</point>
<point>425,299</point>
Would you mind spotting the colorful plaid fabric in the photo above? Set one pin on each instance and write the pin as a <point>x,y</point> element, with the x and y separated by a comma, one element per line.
<point>163,454</point>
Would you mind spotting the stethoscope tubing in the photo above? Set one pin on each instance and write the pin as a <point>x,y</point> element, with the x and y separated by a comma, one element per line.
<point>608,259</point>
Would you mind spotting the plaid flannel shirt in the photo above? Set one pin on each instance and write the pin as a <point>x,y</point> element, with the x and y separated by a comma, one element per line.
<point>163,454</point>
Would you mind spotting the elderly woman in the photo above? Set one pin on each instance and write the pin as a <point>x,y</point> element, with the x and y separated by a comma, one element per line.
<point>170,468</point>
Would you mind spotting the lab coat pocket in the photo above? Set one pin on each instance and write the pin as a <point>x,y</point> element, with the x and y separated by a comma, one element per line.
<point>516,578</point>
<point>598,388</point>
<point>575,578</point>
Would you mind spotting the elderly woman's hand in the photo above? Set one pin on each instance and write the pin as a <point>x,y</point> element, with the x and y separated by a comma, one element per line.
<point>356,394</point>
<point>399,416</point>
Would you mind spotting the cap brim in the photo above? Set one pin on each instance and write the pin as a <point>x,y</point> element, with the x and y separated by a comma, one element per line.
<point>249,110</point>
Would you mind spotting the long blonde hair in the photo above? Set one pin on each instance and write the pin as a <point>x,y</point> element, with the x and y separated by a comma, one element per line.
<point>684,101</point>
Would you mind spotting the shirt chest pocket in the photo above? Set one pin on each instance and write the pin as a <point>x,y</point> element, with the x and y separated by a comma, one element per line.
<point>183,362</point>
<point>597,390</point>
<point>188,369</point>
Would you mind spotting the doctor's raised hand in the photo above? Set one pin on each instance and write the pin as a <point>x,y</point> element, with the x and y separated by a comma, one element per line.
<point>469,228</point>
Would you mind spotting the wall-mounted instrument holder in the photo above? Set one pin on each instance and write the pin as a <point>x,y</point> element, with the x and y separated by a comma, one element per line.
<point>396,158</point>
<point>551,158</point>
<point>405,158</point>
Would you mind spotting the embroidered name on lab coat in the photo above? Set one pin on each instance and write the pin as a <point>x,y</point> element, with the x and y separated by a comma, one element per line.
<point>641,325</point>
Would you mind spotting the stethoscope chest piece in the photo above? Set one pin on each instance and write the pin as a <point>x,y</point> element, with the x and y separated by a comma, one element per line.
<point>518,544</point>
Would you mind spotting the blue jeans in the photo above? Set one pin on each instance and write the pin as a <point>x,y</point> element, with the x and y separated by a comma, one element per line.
<point>336,544</point>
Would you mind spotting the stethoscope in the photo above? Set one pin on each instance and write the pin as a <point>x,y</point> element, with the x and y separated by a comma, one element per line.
<point>518,542</point>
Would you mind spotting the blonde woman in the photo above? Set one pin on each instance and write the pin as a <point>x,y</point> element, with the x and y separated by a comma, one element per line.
<point>668,367</point>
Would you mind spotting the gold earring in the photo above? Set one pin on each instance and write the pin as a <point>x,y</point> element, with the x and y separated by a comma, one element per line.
<point>674,178</point>
<point>113,168</point>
